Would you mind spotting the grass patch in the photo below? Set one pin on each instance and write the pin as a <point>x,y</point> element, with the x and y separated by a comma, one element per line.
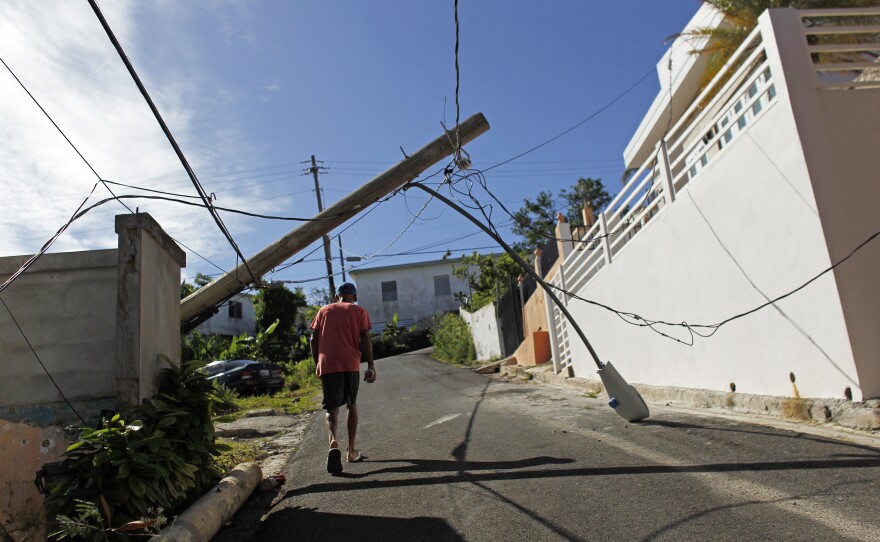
<point>289,402</point>
<point>237,452</point>
<point>300,394</point>
<point>591,394</point>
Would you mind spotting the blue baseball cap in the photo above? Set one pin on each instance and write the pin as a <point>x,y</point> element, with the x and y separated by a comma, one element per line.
<point>346,288</point>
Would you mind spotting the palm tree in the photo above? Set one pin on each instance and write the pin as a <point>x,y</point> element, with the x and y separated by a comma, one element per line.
<point>741,17</point>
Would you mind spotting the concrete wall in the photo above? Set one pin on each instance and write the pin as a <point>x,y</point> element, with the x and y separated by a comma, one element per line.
<point>746,230</point>
<point>484,326</point>
<point>222,324</point>
<point>66,306</point>
<point>415,290</point>
<point>98,321</point>
<point>839,133</point>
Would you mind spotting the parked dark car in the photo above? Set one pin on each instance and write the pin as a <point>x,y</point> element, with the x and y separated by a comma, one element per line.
<point>246,376</point>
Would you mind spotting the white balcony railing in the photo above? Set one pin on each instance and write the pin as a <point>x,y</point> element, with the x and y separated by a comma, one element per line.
<point>843,45</point>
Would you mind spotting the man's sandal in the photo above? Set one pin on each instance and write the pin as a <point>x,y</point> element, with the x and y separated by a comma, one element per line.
<point>334,461</point>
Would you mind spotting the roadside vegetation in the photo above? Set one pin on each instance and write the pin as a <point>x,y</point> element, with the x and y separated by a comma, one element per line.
<point>453,341</point>
<point>141,465</point>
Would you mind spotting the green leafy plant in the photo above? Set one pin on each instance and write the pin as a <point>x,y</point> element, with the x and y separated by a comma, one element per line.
<point>301,375</point>
<point>198,347</point>
<point>163,459</point>
<point>406,340</point>
<point>453,341</point>
<point>487,275</point>
<point>392,329</point>
<point>246,347</point>
<point>89,524</point>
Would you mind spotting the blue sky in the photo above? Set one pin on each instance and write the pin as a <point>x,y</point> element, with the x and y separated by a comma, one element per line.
<point>252,89</point>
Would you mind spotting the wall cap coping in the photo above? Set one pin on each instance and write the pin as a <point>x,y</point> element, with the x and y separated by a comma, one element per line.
<point>82,259</point>
<point>144,221</point>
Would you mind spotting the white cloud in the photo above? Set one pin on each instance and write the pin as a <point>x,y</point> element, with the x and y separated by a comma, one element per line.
<point>60,52</point>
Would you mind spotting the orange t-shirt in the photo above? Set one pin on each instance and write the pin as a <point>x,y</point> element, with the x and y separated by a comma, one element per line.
<point>339,327</point>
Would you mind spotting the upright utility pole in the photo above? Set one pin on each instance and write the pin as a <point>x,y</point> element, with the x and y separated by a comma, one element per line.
<point>327,257</point>
<point>341,258</point>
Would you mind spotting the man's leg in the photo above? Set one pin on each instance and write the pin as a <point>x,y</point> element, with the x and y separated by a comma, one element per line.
<point>332,418</point>
<point>352,425</point>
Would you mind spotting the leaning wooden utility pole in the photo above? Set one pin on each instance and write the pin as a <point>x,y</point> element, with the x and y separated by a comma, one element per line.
<point>204,300</point>
<point>327,258</point>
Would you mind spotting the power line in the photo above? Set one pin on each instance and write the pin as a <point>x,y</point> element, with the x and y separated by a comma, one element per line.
<point>31,346</point>
<point>578,125</point>
<point>60,131</point>
<point>30,261</point>
<point>640,321</point>
<point>199,189</point>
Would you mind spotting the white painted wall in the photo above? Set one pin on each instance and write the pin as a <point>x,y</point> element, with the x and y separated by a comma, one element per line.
<point>742,232</point>
<point>484,326</point>
<point>758,221</point>
<point>415,291</point>
<point>222,324</point>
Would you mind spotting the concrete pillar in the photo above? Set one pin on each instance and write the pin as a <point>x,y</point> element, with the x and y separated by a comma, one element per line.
<point>551,319</point>
<point>563,236</point>
<point>587,214</point>
<point>148,305</point>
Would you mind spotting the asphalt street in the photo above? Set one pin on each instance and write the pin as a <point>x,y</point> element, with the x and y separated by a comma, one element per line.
<point>453,455</point>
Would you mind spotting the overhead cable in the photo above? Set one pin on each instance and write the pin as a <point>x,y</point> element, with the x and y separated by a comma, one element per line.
<point>199,189</point>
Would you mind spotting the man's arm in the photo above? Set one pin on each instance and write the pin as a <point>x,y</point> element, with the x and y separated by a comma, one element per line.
<point>313,344</point>
<point>367,343</point>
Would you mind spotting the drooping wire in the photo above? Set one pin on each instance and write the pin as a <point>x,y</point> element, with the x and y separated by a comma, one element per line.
<point>60,131</point>
<point>199,189</point>
<point>576,126</point>
<point>30,261</point>
<point>31,346</point>
<point>701,330</point>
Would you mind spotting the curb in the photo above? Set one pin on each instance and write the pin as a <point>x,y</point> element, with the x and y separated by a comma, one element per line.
<point>201,521</point>
<point>861,416</point>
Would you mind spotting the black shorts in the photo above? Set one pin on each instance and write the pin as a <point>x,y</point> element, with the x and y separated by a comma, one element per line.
<point>340,389</point>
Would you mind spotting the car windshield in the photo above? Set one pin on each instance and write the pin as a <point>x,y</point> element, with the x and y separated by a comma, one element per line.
<point>217,367</point>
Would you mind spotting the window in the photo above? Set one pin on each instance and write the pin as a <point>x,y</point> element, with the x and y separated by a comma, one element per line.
<point>441,286</point>
<point>389,291</point>
<point>235,309</point>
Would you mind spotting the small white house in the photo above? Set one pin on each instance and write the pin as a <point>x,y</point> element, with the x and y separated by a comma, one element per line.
<point>413,291</point>
<point>235,317</point>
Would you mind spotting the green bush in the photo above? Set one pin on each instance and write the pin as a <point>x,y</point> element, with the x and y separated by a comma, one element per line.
<point>453,341</point>
<point>162,460</point>
<point>400,341</point>
<point>300,374</point>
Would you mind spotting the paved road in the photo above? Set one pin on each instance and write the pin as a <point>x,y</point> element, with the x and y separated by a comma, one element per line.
<point>458,456</point>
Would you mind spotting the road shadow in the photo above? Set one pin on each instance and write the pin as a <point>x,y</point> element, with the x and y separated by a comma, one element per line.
<point>764,432</point>
<point>461,476</point>
<point>297,523</point>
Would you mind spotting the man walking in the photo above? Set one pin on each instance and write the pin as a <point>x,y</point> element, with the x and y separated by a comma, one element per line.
<point>339,328</point>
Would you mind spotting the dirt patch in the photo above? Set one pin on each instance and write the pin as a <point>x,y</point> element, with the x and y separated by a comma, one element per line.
<point>276,435</point>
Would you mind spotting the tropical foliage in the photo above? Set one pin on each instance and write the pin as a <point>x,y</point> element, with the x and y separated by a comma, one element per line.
<point>741,17</point>
<point>453,341</point>
<point>150,458</point>
<point>535,222</point>
<point>279,306</point>
<point>488,276</point>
